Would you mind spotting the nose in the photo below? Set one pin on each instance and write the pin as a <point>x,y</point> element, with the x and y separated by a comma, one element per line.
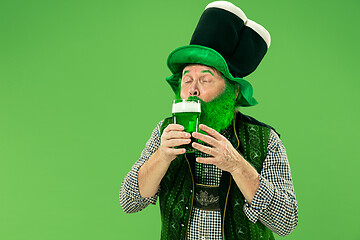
<point>194,90</point>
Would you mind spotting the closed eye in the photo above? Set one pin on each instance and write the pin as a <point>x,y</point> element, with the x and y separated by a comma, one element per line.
<point>205,80</point>
<point>187,80</point>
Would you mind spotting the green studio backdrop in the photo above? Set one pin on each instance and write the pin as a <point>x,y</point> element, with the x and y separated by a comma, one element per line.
<point>82,85</point>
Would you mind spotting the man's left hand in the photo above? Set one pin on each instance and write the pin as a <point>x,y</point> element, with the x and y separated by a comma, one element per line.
<point>224,155</point>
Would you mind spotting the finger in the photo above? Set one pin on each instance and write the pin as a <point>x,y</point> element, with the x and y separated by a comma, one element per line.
<point>209,160</point>
<point>205,138</point>
<point>177,142</point>
<point>177,151</point>
<point>209,150</point>
<point>174,127</point>
<point>177,135</point>
<point>210,131</point>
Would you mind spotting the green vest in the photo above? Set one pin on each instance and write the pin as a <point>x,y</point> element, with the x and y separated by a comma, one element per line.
<point>177,187</point>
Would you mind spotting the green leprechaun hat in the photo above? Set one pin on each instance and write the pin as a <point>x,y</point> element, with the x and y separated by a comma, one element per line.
<point>226,40</point>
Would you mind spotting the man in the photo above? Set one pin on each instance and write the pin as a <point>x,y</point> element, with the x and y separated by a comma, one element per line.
<point>237,185</point>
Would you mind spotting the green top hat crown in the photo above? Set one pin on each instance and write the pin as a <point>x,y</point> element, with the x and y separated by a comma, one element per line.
<point>226,40</point>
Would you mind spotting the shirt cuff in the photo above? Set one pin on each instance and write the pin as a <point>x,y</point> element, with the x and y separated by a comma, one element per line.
<point>134,192</point>
<point>261,200</point>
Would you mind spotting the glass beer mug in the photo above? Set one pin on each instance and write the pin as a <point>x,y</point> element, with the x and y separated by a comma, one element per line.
<point>187,113</point>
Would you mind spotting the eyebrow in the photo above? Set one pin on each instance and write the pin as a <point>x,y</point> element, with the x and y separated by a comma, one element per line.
<point>204,71</point>
<point>207,71</point>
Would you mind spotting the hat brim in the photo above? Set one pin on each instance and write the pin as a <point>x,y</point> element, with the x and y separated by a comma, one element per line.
<point>196,54</point>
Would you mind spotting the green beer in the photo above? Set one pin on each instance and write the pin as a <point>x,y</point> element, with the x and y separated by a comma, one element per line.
<point>187,114</point>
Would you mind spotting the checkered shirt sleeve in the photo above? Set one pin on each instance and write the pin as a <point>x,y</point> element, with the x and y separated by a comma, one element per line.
<point>274,203</point>
<point>130,198</point>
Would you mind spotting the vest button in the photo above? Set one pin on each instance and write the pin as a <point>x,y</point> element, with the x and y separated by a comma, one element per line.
<point>186,208</point>
<point>191,191</point>
<point>182,225</point>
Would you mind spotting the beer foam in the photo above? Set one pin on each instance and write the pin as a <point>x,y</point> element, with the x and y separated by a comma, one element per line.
<point>186,106</point>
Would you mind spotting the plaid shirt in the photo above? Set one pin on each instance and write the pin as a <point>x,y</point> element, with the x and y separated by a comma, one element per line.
<point>274,203</point>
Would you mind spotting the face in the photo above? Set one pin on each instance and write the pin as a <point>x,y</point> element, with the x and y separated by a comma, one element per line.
<point>202,81</point>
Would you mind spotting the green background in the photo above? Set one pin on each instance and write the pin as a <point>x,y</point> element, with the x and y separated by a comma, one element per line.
<point>82,87</point>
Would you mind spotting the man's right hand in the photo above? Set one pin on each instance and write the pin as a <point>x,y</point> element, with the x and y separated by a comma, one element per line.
<point>173,136</point>
<point>154,169</point>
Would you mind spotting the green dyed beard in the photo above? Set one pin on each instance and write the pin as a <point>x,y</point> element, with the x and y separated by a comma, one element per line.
<point>219,112</point>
